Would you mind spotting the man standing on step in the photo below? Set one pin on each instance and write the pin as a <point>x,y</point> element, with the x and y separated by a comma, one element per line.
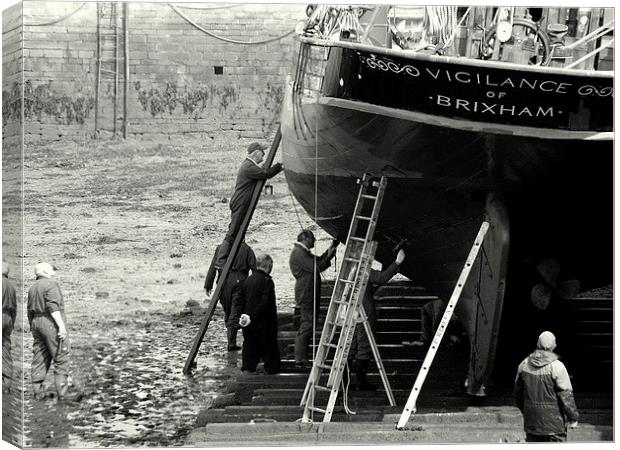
<point>9,310</point>
<point>249,173</point>
<point>46,315</point>
<point>360,353</point>
<point>254,308</point>
<point>430,317</point>
<point>306,269</point>
<point>544,394</point>
<point>239,271</point>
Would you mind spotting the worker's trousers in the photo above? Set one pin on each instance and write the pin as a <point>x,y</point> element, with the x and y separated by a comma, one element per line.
<point>46,347</point>
<point>7,359</point>
<point>237,213</point>
<point>360,345</point>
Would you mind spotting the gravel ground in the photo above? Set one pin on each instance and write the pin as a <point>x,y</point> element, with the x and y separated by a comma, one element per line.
<point>132,225</point>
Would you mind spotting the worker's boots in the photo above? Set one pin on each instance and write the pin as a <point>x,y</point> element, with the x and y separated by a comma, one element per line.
<point>37,391</point>
<point>361,371</point>
<point>62,385</point>
<point>231,333</point>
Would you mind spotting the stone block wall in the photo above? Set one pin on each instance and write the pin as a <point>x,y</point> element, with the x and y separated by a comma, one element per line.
<point>181,80</point>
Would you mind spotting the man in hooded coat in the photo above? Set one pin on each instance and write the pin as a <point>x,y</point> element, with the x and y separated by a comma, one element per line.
<point>544,394</point>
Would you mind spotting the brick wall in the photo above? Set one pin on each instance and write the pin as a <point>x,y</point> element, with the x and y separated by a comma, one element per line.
<point>180,79</point>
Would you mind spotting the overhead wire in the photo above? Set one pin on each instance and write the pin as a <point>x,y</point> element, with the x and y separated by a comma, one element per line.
<point>53,22</point>
<point>230,41</point>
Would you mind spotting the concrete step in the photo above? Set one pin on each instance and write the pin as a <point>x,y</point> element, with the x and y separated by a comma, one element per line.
<point>382,337</point>
<point>374,433</point>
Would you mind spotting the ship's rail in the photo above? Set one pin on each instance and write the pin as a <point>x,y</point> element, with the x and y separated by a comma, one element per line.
<point>414,56</point>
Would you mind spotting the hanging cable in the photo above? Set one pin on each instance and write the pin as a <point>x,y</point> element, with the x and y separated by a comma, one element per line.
<point>53,22</point>
<point>230,41</point>
<point>212,8</point>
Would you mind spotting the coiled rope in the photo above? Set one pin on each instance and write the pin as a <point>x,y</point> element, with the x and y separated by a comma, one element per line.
<point>230,41</point>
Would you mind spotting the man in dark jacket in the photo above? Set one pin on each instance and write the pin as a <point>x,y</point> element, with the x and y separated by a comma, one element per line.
<point>254,308</point>
<point>361,352</point>
<point>306,269</point>
<point>249,173</point>
<point>9,310</point>
<point>46,314</point>
<point>544,394</point>
<point>244,262</point>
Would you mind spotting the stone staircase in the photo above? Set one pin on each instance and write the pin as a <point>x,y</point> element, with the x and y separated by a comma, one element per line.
<point>270,403</point>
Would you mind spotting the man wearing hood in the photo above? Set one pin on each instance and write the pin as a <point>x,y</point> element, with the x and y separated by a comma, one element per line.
<point>544,394</point>
<point>46,315</point>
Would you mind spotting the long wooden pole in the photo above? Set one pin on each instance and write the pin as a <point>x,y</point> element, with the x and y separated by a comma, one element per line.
<point>231,257</point>
<point>126,55</point>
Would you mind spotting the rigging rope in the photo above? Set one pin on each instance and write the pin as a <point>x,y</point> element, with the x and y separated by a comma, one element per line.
<point>599,32</point>
<point>230,41</point>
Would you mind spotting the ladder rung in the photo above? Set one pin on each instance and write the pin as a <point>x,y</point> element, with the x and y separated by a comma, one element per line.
<point>324,366</point>
<point>371,197</point>
<point>314,408</point>
<point>340,302</point>
<point>359,239</point>
<point>364,217</point>
<point>318,387</point>
<point>329,344</point>
<point>107,71</point>
<point>346,281</point>
<point>346,258</point>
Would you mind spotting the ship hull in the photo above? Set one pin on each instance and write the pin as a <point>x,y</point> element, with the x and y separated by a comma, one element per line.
<point>550,178</point>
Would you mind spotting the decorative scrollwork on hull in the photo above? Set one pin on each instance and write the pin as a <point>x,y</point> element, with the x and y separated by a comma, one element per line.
<point>390,66</point>
<point>588,89</point>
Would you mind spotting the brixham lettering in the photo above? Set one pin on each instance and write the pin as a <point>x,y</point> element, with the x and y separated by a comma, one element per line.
<point>497,109</point>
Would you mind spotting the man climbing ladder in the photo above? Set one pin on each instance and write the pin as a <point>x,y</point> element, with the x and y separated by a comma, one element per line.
<point>253,191</point>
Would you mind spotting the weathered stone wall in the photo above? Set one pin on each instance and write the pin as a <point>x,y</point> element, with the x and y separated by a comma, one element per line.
<point>12,59</point>
<point>180,79</point>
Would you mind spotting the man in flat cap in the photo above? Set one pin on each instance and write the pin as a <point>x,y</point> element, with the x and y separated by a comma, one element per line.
<point>46,314</point>
<point>9,310</point>
<point>544,394</point>
<point>249,173</point>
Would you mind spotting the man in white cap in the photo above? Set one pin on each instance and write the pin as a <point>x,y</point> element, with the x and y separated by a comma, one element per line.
<point>46,315</point>
<point>544,394</point>
<point>9,310</point>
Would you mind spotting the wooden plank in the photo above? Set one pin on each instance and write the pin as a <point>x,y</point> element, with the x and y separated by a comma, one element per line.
<point>231,257</point>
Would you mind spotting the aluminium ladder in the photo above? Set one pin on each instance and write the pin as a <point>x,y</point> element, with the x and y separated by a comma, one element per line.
<point>345,307</point>
<point>410,407</point>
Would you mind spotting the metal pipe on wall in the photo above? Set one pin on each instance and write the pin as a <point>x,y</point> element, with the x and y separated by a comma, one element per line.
<point>126,57</point>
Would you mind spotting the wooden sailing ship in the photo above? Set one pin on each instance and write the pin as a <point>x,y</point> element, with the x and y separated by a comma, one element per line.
<point>499,114</point>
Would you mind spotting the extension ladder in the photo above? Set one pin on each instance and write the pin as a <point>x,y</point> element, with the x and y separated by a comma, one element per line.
<point>410,407</point>
<point>345,307</point>
<point>107,73</point>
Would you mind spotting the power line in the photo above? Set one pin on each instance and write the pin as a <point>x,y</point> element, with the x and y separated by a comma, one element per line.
<point>231,41</point>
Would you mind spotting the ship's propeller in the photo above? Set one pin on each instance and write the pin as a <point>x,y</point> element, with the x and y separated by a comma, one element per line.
<point>549,270</point>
